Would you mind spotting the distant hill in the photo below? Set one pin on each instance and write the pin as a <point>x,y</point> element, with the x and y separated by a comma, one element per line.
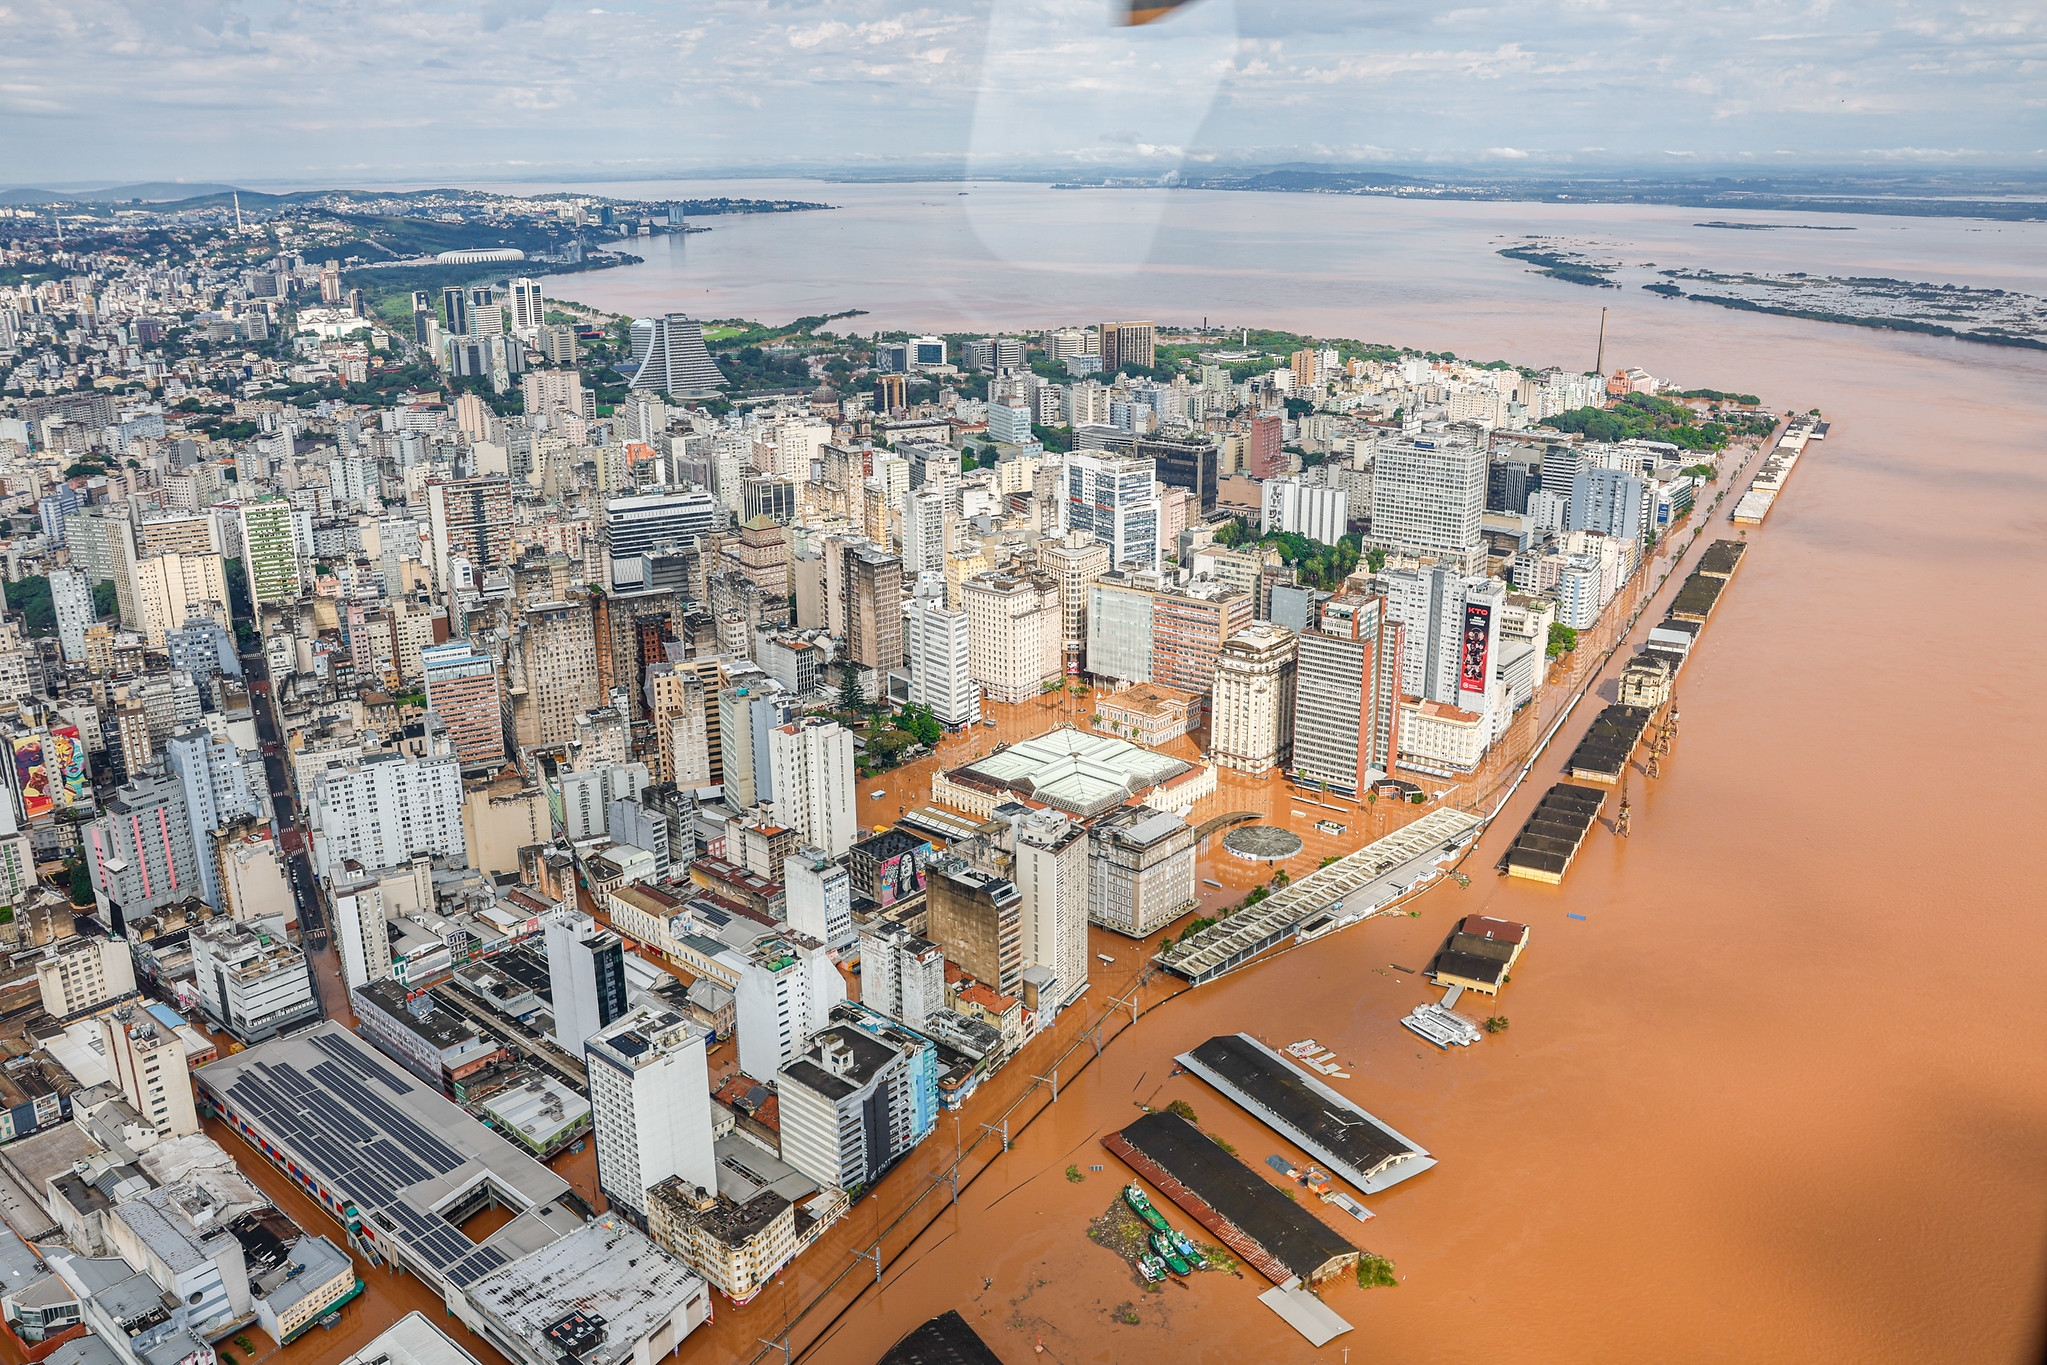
<point>151,192</point>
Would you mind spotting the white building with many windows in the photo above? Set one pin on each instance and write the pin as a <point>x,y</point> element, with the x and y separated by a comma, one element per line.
<point>650,1098</point>
<point>812,763</point>
<point>382,809</point>
<point>938,641</point>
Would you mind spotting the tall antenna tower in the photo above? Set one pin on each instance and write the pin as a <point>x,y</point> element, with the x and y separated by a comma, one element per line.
<point>1599,362</point>
<point>238,228</point>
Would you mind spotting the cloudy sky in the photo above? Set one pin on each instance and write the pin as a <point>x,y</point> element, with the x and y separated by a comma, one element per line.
<point>325,90</point>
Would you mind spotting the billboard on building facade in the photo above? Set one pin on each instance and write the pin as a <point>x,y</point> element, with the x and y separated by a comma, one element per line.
<point>32,777</point>
<point>1471,673</point>
<point>70,780</point>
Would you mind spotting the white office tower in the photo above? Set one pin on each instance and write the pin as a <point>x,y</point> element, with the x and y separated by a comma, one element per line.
<point>812,763</point>
<point>650,1099</point>
<point>1453,633</point>
<point>925,513</point>
<point>1111,498</point>
<point>849,1107</point>
<point>586,976</point>
<point>798,442</point>
<point>901,975</point>
<point>147,1060</point>
<point>1560,465</point>
<point>71,601</point>
<point>529,310</point>
<point>938,641</point>
<point>1427,498</point>
<point>1314,510</point>
<point>676,362</point>
<point>784,995</point>
<point>820,896</point>
<point>1051,874</point>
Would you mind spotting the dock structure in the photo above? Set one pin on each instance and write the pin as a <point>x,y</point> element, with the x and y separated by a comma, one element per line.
<point>1306,1112</point>
<point>1346,890</point>
<point>1247,1213</point>
<point>1543,850</point>
<point>1603,754</point>
<point>1697,598</point>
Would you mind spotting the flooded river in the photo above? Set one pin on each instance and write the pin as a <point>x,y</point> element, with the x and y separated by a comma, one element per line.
<point>1780,1095</point>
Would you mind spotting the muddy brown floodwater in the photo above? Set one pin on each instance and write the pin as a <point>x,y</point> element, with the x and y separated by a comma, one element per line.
<point>1781,1095</point>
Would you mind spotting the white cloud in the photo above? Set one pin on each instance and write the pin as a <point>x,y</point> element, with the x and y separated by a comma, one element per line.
<point>260,89</point>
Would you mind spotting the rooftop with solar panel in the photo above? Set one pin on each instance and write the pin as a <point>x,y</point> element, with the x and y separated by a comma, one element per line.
<point>364,1133</point>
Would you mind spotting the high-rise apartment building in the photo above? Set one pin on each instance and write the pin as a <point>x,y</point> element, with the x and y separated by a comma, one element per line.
<point>901,975</point>
<point>650,1102</point>
<point>84,975</point>
<point>381,810</point>
<point>1611,502</point>
<point>1427,499</point>
<point>1127,343</point>
<point>873,625</point>
<point>784,996</point>
<point>462,690</point>
<point>529,310</point>
<point>1314,510</point>
<point>71,601</point>
<point>820,896</point>
<point>938,641</point>
<point>270,551</point>
<point>645,522</point>
<point>1347,695</point>
<point>977,918</point>
<point>471,521</point>
<point>146,1059</point>
<point>677,364</point>
<point>927,512</point>
<point>556,675</point>
<point>1251,711</point>
<point>812,761</point>
<point>848,1107</point>
<point>586,973</point>
<point>1016,634</point>
<point>141,852</point>
<point>1264,453</point>
<point>1141,630</point>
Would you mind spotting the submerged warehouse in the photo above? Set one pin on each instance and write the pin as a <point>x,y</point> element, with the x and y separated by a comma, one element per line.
<point>1351,1142</point>
<point>1247,1213</point>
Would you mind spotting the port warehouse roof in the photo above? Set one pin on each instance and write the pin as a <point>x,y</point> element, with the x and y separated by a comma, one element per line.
<point>1315,1118</point>
<point>1481,952</point>
<point>1696,599</point>
<point>1722,558</point>
<point>1238,937</point>
<point>945,1340</point>
<point>1546,844</point>
<point>1607,744</point>
<point>1253,1218</point>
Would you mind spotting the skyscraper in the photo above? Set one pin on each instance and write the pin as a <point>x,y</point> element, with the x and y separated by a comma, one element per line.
<point>1428,497</point>
<point>677,363</point>
<point>873,624</point>
<point>1611,502</point>
<point>270,551</point>
<point>1050,872</point>
<point>937,641</point>
<point>141,853</point>
<point>471,520</point>
<point>529,310</point>
<point>1347,695</point>
<point>1265,457</point>
<point>1251,714</point>
<point>455,306</point>
<point>1112,499</point>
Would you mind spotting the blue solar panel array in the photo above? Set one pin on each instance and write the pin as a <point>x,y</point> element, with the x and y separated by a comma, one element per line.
<point>361,1145</point>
